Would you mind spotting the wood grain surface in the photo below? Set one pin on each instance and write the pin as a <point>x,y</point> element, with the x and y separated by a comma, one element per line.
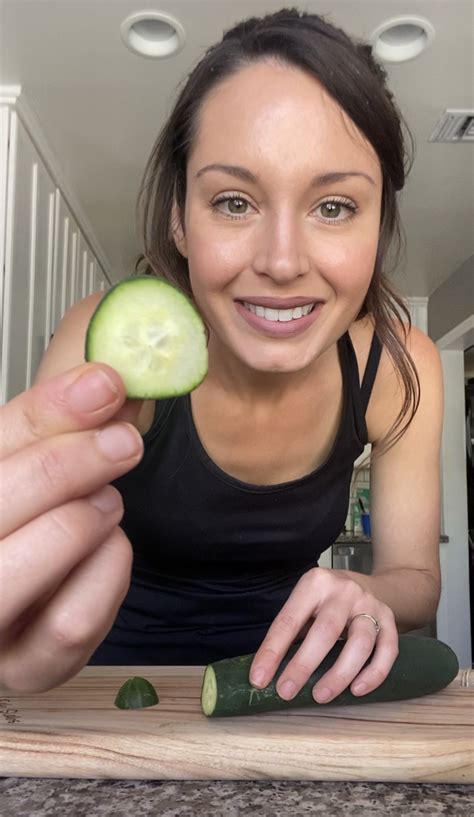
<point>76,731</point>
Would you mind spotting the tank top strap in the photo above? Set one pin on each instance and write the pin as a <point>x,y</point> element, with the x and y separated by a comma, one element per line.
<point>360,393</point>
<point>370,371</point>
<point>163,409</point>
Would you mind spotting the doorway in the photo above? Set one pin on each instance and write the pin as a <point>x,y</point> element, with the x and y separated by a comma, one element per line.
<point>453,622</point>
<point>469,415</point>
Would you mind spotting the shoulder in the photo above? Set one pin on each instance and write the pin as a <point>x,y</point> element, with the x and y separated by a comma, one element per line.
<point>388,394</point>
<point>421,349</point>
<point>66,348</point>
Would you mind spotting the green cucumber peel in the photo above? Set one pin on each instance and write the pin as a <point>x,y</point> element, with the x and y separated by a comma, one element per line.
<point>423,666</point>
<point>136,693</point>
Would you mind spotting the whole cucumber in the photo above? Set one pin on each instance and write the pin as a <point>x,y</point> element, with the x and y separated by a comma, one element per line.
<point>423,666</point>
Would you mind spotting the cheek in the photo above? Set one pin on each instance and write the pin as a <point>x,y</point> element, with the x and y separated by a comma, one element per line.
<point>350,268</point>
<point>212,264</point>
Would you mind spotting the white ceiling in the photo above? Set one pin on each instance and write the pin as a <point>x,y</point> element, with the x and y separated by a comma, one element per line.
<point>101,107</point>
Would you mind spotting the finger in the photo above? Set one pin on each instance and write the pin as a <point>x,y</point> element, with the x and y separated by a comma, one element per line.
<point>80,398</point>
<point>361,640</point>
<point>64,467</point>
<point>78,617</point>
<point>321,637</point>
<point>381,662</point>
<point>282,632</point>
<point>63,538</point>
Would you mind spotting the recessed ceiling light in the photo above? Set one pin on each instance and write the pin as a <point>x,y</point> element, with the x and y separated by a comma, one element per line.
<point>154,34</point>
<point>402,38</point>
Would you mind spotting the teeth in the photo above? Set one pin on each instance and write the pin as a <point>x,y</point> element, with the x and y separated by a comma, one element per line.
<point>279,314</point>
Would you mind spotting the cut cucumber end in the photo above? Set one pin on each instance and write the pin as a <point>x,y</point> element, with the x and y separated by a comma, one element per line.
<point>209,691</point>
<point>136,693</point>
<point>152,335</point>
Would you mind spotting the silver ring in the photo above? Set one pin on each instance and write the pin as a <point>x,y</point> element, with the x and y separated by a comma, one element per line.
<point>374,621</point>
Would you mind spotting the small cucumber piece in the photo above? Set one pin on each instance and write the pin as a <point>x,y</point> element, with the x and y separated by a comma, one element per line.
<point>152,335</point>
<point>136,693</point>
<point>422,667</point>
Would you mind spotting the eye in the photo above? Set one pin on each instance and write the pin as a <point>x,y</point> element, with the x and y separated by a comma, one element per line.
<point>235,200</point>
<point>334,206</point>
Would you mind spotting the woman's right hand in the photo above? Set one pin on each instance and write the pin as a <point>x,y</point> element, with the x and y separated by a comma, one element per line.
<point>64,562</point>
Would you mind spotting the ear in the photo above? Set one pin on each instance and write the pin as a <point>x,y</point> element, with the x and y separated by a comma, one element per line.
<point>177,232</point>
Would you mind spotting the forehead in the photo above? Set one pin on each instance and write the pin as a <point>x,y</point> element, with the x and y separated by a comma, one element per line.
<point>269,110</point>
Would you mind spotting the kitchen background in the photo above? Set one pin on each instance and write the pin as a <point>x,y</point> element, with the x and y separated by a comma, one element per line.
<point>84,88</point>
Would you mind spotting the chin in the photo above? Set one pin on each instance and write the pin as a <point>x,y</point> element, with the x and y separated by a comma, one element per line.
<point>279,363</point>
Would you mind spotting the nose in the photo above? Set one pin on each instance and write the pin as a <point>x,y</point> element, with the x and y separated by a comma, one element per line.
<point>281,252</point>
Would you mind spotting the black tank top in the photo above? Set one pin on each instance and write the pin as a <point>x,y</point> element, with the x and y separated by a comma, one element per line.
<point>215,558</point>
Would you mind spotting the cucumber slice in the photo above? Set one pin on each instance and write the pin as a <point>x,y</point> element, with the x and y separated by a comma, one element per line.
<point>209,691</point>
<point>422,667</point>
<point>152,335</point>
<point>136,693</point>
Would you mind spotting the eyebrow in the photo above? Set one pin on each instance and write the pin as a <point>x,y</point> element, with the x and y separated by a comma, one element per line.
<point>321,179</point>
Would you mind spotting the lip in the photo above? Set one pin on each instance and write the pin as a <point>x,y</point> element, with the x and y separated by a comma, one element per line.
<point>279,329</point>
<point>280,303</point>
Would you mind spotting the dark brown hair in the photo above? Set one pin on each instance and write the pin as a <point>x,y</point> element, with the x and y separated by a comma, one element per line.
<point>351,75</point>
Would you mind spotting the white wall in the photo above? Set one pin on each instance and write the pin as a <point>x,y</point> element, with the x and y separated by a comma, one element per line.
<point>453,619</point>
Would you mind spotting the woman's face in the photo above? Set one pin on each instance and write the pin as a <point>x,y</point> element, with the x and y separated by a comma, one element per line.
<point>271,241</point>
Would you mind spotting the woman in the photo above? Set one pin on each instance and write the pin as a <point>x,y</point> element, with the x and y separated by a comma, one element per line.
<point>270,197</point>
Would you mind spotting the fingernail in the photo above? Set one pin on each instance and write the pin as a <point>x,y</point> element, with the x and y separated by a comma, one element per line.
<point>287,690</point>
<point>258,677</point>
<point>118,442</point>
<point>322,694</point>
<point>107,499</point>
<point>91,391</point>
<point>359,689</point>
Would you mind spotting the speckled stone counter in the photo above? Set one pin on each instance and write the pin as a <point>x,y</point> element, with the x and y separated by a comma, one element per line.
<point>34,797</point>
<point>360,539</point>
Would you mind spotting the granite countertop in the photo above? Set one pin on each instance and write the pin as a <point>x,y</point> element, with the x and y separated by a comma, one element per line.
<point>37,797</point>
<point>360,539</point>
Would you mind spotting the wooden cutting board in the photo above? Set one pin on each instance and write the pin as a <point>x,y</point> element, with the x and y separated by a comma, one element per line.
<point>76,731</point>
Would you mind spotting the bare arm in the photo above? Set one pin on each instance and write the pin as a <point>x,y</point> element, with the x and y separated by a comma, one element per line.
<point>403,591</point>
<point>405,496</point>
<point>67,350</point>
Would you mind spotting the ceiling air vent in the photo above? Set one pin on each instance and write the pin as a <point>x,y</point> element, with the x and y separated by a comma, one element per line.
<point>454,126</point>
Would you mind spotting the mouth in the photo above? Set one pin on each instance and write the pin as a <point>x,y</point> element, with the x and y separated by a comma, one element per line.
<point>278,317</point>
<point>278,309</point>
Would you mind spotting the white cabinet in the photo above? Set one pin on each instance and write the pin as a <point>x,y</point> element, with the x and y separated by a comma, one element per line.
<point>65,261</point>
<point>41,256</point>
<point>28,258</point>
<point>46,262</point>
<point>76,271</point>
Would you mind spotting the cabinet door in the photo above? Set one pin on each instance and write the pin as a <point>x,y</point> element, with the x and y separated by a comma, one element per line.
<point>28,257</point>
<point>82,277</point>
<point>39,320</point>
<point>72,264</point>
<point>4,140</point>
<point>100,282</point>
<point>65,261</point>
<point>91,280</point>
<point>97,281</point>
